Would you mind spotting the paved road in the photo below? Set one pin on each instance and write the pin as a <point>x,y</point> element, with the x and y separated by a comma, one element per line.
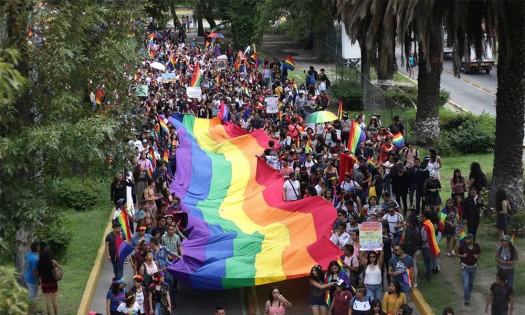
<point>475,99</point>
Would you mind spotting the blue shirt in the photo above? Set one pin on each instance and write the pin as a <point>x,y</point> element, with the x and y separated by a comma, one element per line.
<point>31,261</point>
<point>115,300</point>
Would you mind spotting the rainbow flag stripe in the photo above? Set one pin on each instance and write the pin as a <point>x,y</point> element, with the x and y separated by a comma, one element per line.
<point>242,232</point>
<point>124,222</point>
<point>196,77</point>
<point>398,141</point>
<point>357,134</point>
<point>432,244</point>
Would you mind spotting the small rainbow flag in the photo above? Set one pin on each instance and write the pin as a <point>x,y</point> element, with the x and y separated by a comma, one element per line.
<point>357,135</point>
<point>122,250</point>
<point>218,79</point>
<point>151,157</point>
<point>206,44</point>
<point>432,244</point>
<point>340,110</point>
<point>163,126</point>
<point>328,298</point>
<point>149,173</point>
<point>124,222</point>
<point>407,278</point>
<point>157,129</point>
<point>289,63</point>
<point>171,63</point>
<point>245,90</point>
<point>462,234</point>
<point>196,77</point>
<point>165,155</point>
<point>152,53</point>
<point>398,141</point>
<point>308,147</point>
<point>224,112</point>
<point>513,239</point>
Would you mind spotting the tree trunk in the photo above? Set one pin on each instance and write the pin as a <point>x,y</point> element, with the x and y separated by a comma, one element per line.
<point>365,59</point>
<point>318,44</point>
<point>429,81</point>
<point>385,60</point>
<point>510,115</point>
<point>200,30</point>
<point>206,11</point>
<point>23,243</point>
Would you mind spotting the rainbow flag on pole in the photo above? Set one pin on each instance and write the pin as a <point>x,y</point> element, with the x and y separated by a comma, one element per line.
<point>124,222</point>
<point>340,110</point>
<point>235,209</point>
<point>163,126</point>
<point>398,141</point>
<point>357,135</point>
<point>289,63</point>
<point>196,77</point>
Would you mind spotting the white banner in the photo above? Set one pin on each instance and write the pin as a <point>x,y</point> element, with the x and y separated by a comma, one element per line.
<point>194,92</point>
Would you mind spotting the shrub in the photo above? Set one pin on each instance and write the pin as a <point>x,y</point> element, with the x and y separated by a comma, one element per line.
<point>53,236</point>
<point>81,196</point>
<point>467,133</point>
<point>13,297</point>
<point>350,93</point>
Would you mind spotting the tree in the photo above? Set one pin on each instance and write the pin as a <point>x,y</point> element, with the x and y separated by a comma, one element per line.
<point>66,50</point>
<point>510,110</point>
<point>303,18</point>
<point>13,297</point>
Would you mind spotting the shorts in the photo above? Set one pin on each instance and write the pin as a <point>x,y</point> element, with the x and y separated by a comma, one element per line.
<point>317,300</point>
<point>32,289</point>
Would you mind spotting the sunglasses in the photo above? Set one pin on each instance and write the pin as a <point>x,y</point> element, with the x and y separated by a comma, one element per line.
<point>371,256</point>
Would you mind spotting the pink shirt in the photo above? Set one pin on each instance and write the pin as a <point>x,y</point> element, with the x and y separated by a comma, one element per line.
<point>276,310</point>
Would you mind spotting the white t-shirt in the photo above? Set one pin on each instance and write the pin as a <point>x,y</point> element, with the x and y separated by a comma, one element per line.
<point>124,309</point>
<point>140,298</point>
<point>273,161</point>
<point>340,240</point>
<point>309,165</point>
<point>291,189</point>
<point>393,220</point>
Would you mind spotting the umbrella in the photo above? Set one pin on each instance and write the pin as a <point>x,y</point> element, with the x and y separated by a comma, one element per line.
<point>158,66</point>
<point>218,27</point>
<point>320,117</point>
<point>216,35</point>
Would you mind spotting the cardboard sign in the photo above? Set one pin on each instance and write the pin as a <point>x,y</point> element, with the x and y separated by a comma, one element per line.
<point>194,92</point>
<point>370,236</point>
<point>272,106</point>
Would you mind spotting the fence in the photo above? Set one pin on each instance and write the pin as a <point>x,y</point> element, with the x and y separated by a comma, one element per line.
<point>375,100</point>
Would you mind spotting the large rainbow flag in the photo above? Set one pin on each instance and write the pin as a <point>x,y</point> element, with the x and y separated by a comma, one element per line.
<point>398,141</point>
<point>242,232</point>
<point>357,134</point>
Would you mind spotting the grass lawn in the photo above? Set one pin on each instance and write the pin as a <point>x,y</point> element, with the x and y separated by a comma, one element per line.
<point>87,228</point>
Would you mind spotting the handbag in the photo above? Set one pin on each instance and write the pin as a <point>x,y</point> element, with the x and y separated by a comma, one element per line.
<point>57,273</point>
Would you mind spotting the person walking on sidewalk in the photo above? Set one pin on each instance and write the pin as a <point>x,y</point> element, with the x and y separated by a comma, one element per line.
<point>469,254</point>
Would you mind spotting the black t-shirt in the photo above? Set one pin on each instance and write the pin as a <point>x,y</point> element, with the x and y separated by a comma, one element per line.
<point>500,299</point>
<point>395,128</point>
<point>111,238</point>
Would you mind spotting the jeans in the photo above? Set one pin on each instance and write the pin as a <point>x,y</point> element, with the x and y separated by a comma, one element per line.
<point>406,289</point>
<point>468,275</point>
<point>172,284</point>
<point>374,291</point>
<point>117,270</point>
<point>158,309</point>
<point>427,260</point>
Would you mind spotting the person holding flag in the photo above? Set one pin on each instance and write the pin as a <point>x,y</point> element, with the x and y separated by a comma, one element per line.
<point>429,246</point>
<point>116,249</point>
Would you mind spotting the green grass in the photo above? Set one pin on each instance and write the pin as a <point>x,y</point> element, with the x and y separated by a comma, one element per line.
<point>487,239</point>
<point>87,228</point>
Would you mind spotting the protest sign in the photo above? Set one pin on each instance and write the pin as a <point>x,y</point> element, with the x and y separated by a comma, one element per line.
<point>168,77</point>
<point>370,236</point>
<point>194,92</point>
<point>141,91</point>
<point>272,105</point>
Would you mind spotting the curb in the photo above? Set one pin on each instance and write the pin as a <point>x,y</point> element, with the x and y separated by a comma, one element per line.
<point>94,276</point>
<point>419,301</point>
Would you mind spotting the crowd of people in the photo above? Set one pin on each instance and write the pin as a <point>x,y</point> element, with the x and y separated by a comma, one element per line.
<point>399,187</point>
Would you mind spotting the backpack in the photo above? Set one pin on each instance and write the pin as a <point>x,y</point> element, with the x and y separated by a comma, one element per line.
<point>512,209</point>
